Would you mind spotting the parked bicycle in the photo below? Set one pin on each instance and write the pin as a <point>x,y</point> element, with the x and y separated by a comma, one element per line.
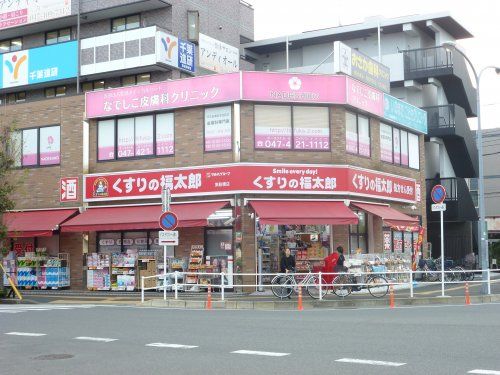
<point>283,285</point>
<point>345,284</point>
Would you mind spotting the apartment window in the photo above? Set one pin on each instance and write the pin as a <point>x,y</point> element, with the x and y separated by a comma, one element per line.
<point>11,45</point>
<point>399,242</point>
<point>93,86</point>
<point>358,235</point>
<point>138,136</point>
<point>193,19</point>
<point>292,127</point>
<point>357,134</point>
<point>52,92</point>
<point>16,97</point>
<point>58,36</point>
<point>399,146</point>
<point>138,79</point>
<point>473,188</point>
<point>126,23</point>
<point>36,146</point>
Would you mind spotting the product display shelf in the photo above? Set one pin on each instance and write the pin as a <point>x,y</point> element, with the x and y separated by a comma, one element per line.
<point>54,273</point>
<point>123,272</point>
<point>27,272</point>
<point>10,270</point>
<point>195,263</point>
<point>98,267</point>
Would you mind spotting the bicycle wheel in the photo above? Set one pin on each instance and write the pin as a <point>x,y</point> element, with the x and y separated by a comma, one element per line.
<point>341,290</point>
<point>460,275</point>
<point>313,287</point>
<point>281,286</point>
<point>378,286</point>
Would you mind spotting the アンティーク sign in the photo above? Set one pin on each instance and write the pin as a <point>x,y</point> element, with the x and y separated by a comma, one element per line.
<point>249,178</point>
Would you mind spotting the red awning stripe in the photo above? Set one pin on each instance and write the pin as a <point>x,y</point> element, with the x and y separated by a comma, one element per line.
<point>140,217</point>
<point>37,223</point>
<point>303,212</point>
<point>390,216</point>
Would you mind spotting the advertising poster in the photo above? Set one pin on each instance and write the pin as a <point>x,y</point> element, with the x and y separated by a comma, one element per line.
<point>397,145</point>
<point>273,137</point>
<point>386,143</point>
<point>106,140</point>
<point>165,134</point>
<point>144,136</point>
<point>126,137</point>
<point>397,240</point>
<point>387,238</point>
<point>217,56</point>
<point>23,12</point>
<point>221,263</point>
<point>50,145</point>
<point>311,130</point>
<point>404,148</point>
<point>30,147</point>
<point>351,142</point>
<point>364,136</point>
<point>218,129</point>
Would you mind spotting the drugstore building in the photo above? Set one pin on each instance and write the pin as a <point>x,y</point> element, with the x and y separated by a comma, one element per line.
<point>254,161</point>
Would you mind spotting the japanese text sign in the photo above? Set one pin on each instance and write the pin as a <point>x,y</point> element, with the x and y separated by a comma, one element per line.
<point>68,188</point>
<point>217,56</point>
<point>22,12</point>
<point>364,97</point>
<point>175,52</point>
<point>405,114</point>
<point>248,177</point>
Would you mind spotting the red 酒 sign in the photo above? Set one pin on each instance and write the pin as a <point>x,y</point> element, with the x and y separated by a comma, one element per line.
<point>68,189</point>
<point>249,178</point>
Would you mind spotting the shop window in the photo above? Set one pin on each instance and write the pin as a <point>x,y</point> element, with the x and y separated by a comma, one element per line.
<point>357,134</point>
<point>399,242</point>
<point>58,36</point>
<point>125,23</point>
<point>36,147</point>
<point>287,128</point>
<point>193,26</point>
<point>399,146</point>
<point>218,129</point>
<point>16,97</point>
<point>358,235</point>
<point>52,92</point>
<point>139,242</point>
<point>11,45</point>
<point>138,79</point>
<point>219,242</point>
<point>109,242</point>
<point>93,86</point>
<point>140,136</point>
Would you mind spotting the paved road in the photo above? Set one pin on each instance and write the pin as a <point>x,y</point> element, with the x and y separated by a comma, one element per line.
<point>130,340</point>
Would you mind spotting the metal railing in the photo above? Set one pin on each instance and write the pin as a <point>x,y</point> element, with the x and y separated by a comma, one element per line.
<point>427,58</point>
<point>407,279</point>
<point>440,116</point>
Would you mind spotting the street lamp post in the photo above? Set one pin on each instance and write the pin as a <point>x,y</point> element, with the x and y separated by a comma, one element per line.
<point>483,236</point>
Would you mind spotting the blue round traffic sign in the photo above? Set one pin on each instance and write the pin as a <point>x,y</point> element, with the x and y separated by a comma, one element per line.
<point>168,220</point>
<point>438,194</point>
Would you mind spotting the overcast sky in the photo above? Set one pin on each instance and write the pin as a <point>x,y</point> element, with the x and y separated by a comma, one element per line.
<point>481,17</point>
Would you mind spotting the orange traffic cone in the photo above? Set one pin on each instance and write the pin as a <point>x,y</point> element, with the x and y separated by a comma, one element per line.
<point>467,295</point>
<point>299,304</point>
<point>209,298</point>
<point>391,296</point>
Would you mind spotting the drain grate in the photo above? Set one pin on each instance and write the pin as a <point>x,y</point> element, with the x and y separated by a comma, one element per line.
<point>52,357</point>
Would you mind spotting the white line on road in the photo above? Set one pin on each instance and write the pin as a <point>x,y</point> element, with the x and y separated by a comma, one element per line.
<point>174,346</point>
<point>370,362</point>
<point>484,372</point>
<point>253,352</point>
<point>101,339</point>
<point>11,311</point>
<point>26,334</point>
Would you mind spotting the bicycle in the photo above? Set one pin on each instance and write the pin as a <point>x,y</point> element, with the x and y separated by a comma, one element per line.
<point>377,285</point>
<point>284,284</point>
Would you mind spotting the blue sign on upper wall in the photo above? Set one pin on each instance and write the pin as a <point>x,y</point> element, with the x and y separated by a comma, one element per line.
<point>405,114</point>
<point>38,65</point>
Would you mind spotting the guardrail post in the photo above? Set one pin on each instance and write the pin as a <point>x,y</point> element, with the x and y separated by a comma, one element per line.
<point>320,281</point>
<point>222,286</point>
<point>489,281</point>
<point>176,285</point>
<point>142,289</point>
<point>411,283</point>
<point>164,286</point>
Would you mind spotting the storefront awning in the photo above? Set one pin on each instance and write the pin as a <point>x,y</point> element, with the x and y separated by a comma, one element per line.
<point>303,212</point>
<point>38,223</point>
<point>140,217</point>
<point>390,216</point>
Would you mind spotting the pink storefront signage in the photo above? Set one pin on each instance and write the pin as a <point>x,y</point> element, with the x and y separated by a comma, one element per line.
<point>301,88</point>
<point>364,97</point>
<point>189,92</point>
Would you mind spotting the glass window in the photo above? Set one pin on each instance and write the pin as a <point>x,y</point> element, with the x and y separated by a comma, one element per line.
<point>351,133</point>
<point>87,86</point>
<point>16,44</point>
<point>99,85</point>
<point>357,134</point>
<point>30,147</point>
<point>311,128</point>
<point>51,37</point>
<point>193,19</point>
<point>60,90</point>
<point>50,145</point>
<point>15,147</point>
<point>144,136</point>
<point>386,142</point>
<point>364,135</point>
<point>133,22</point>
<point>273,127</point>
<point>396,141</point>
<point>128,81</point>
<point>218,128</point>
<point>106,140</point>
<point>50,92</point>
<point>109,242</point>
<point>126,137</point>
<point>5,46</point>
<point>143,78</point>
<point>358,234</point>
<point>134,241</point>
<point>404,148</point>
<point>118,24</point>
<point>11,98</point>
<point>126,23</point>
<point>20,96</point>
<point>64,35</point>
<point>165,134</point>
<point>93,86</point>
<point>413,151</point>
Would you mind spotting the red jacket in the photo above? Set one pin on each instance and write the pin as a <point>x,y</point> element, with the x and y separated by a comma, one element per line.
<point>331,262</point>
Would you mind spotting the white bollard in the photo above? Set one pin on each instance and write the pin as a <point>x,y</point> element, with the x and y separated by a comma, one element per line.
<point>176,285</point>
<point>411,283</point>
<point>222,286</point>
<point>142,289</point>
<point>489,281</point>
<point>320,286</point>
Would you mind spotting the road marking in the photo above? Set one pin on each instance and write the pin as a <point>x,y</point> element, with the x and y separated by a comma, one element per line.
<point>11,311</point>
<point>253,352</point>
<point>370,362</point>
<point>26,334</point>
<point>484,372</point>
<point>101,339</point>
<point>174,346</point>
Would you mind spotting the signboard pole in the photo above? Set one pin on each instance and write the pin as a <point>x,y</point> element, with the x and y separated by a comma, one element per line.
<point>165,201</point>
<point>442,254</point>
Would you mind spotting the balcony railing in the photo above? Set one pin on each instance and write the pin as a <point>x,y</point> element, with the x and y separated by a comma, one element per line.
<point>427,59</point>
<point>459,200</point>
<point>440,116</point>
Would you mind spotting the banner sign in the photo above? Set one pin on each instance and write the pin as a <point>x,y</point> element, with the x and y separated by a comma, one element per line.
<point>39,65</point>
<point>405,114</point>
<point>175,52</point>
<point>350,61</point>
<point>23,12</point>
<point>217,56</point>
<point>218,128</point>
<point>249,178</point>
<point>364,97</point>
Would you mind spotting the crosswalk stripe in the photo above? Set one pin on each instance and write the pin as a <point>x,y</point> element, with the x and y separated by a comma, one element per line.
<point>100,339</point>
<point>484,372</point>
<point>11,311</point>
<point>174,346</point>
<point>370,362</point>
<point>256,352</point>
<point>25,334</point>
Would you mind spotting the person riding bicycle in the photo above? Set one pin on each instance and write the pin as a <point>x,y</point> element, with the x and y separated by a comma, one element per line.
<point>287,262</point>
<point>339,267</point>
